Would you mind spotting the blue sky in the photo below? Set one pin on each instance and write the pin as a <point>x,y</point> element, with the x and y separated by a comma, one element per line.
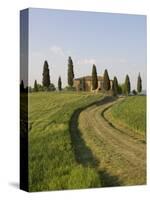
<point>116,42</point>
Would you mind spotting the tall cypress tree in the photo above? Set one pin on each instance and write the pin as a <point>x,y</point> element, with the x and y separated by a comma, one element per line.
<point>139,84</point>
<point>106,83</point>
<point>127,85</point>
<point>59,84</point>
<point>46,76</point>
<point>70,72</point>
<point>35,86</point>
<point>94,78</point>
<point>116,86</point>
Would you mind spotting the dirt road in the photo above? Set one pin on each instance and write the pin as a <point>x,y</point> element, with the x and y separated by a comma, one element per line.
<point>119,158</point>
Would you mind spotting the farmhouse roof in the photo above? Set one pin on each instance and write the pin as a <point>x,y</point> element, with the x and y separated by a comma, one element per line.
<point>89,78</point>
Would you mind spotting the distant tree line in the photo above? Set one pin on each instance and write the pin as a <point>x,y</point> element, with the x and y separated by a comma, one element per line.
<point>113,86</point>
<point>109,86</point>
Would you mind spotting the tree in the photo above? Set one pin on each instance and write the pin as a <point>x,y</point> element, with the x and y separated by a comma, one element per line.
<point>115,87</point>
<point>26,89</point>
<point>35,86</point>
<point>22,89</point>
<point>106,83</point>
<point>94,78</point>
<point>139,84</point>
<point>59,84</point>
<point>70,72</point>
<point>46,76</point>
<point>120,90</point>
<point>127,85</point>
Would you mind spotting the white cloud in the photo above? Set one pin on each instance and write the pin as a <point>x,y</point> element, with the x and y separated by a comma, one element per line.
<point>57,50</point>
<point>86,61</point>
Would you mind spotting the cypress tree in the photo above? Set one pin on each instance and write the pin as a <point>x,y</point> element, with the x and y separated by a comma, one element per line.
<point>35,86</point>
<point>139,84</point>
<point>70,72</point>
<point>106,83</point>
<point>115,87</point>
<point>94,78</point>
<point>22,89</point>
<point>46,76</point>
<point>59,84</point>
<point>127,85</point>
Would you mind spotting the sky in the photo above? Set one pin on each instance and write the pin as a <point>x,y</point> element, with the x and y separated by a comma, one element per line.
<point>116,42</point>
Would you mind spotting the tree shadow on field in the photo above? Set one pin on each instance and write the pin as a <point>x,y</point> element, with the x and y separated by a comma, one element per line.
<point>83,153</point>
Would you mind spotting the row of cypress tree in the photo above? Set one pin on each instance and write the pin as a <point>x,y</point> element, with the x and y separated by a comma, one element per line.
<point>106,82</point>
<point>115,87</point>
<point>46,76</point>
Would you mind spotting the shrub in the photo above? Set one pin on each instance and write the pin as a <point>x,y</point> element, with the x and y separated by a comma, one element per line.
<point>134,92</point>
<point>68,88</point>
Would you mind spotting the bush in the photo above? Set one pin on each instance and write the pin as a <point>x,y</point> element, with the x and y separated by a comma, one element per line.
<point>134,92</point>
<point>69,88</point>
<point>40,87</point>
<point>50,88</point>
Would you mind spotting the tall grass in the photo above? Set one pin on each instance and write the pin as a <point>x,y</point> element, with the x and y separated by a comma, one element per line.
<point>132,112</point>
<point>52,163</point>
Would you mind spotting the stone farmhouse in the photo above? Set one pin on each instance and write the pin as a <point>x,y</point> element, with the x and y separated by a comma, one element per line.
<point>85,83</point>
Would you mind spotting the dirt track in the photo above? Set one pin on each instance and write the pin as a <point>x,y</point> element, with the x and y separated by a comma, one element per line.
<point>118,155</point>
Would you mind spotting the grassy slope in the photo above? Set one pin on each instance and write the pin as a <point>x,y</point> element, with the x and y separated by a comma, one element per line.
<point>52,162</point>
<point>131,113</point>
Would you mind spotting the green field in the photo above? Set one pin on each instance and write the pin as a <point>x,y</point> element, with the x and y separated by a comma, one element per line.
<point>74,143</point>
<point>52,161</point>
<point>131,113</point>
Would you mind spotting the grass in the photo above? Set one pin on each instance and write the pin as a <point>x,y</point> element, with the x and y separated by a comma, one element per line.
<point>52,161</point>
<point>131,112</point>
